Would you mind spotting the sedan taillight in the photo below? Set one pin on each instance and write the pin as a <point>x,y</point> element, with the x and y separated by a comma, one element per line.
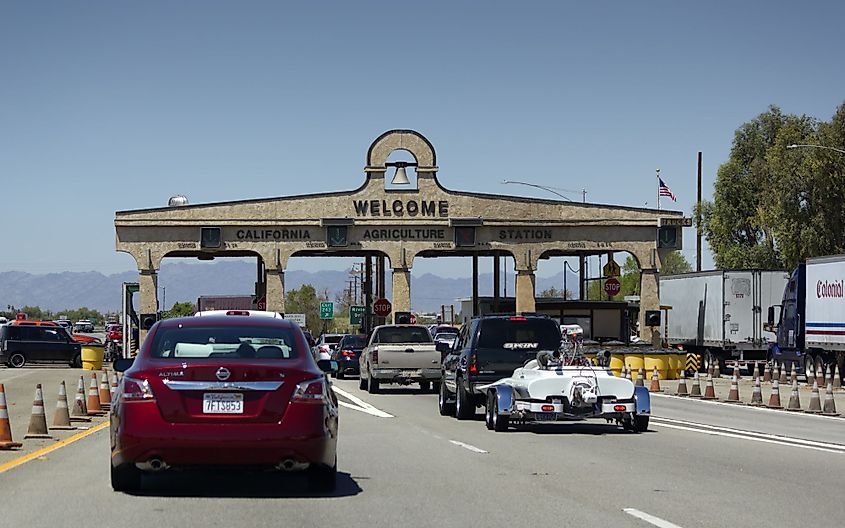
<point>347,353</point>
<point>312,391</point>
<point>136,390</point>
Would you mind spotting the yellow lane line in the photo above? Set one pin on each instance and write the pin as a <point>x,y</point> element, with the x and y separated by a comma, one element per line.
<point>50,448</point>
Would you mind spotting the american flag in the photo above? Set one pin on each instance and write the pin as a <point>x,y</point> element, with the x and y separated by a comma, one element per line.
<point>664,190</point>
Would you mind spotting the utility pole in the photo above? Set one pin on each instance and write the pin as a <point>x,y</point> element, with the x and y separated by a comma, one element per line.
<point>698,220</point>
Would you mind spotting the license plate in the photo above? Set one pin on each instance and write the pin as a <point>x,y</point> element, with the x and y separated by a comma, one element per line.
<point>226,403</point>
<point>545,417</point>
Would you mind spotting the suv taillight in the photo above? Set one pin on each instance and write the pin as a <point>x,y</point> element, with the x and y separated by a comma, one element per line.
<point>473,366</point>
<point>312,391</point>
<point>136,390</point>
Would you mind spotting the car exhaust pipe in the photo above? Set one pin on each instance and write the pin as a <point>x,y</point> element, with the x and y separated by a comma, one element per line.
<point>154,465</point>
<point>290,464</point>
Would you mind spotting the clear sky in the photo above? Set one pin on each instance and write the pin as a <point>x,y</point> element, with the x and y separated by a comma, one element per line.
<point>113,105</point>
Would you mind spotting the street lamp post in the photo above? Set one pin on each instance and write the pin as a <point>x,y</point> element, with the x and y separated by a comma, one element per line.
<point>794,146</point>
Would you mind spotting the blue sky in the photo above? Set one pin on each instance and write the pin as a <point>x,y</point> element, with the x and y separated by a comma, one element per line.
<point>110,105</point>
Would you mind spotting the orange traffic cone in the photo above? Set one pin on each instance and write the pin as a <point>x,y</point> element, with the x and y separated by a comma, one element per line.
<point>682,385</point>
<point>737,374</point>
<point>819,377</point>
<point>815,402</point>
<point>767,373</point>
<point>757,395</point>
<point>774,399</point>
<point>655,381</point>
<point>756,373</point>
<point>105,395</point>
<point>837,381</point>
<point>829,403</point>
<point>640,376</point>
<point>113,388</point>
<point>80,409</point>
<point>733,395</point>
<point>94,408</point>
<point>628,375</point>
<point>782,377</point>
<point>696,386</point>
<point>622,372</point>
<point>61,419</point>
<point>794,398</point>
<point>6,442</point>
<point>709,390</point>
<point>793,373</point>
<point>38,419</point>
<point>716,372</point>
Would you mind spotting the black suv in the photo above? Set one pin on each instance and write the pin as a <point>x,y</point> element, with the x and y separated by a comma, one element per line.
<point>488,349</point>
<point>24,344</point>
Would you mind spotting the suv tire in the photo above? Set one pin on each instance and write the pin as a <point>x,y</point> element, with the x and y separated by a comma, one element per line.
<point>16,360</point>
<point>464,407</point>
<point>444,406</point>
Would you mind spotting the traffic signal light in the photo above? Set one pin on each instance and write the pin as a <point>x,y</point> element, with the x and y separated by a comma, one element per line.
<point>667,237</point>
<point>652,317</point>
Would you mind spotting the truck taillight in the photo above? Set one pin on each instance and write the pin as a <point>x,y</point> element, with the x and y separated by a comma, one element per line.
<point>473,366</point>
<point>312,391</point>
<point>136,390</point>
<point>374,355</point>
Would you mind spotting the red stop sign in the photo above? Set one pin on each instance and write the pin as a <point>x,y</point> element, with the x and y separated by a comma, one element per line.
<point>612,286</point>
<point>382,307</point>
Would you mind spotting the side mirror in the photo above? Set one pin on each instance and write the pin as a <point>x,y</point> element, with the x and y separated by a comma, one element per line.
<point>122,364</point>
<point>328,365</point>
<point>442,347</point>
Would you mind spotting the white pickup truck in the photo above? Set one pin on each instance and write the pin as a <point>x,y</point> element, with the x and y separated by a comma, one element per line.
<point>402,354</point>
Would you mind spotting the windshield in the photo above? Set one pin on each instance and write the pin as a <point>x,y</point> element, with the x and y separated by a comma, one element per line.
<point>354,342</point>
<point>225,343</point>
<point>520,334</point>
<point>403,334</point>
<point>332,339</point>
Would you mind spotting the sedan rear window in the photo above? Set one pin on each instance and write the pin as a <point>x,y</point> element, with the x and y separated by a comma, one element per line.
<point>225,343</point>
<point>354,341</point>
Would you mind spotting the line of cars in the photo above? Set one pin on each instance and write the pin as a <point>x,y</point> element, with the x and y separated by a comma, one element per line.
<point>29,341</point>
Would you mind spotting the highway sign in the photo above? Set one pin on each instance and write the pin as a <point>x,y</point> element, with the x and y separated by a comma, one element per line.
<point>326,310</point>
<point>356,315</point>
<point>612,286</point>
<point>382,307</point>
<point>611,269</point>
<point>297,318</point>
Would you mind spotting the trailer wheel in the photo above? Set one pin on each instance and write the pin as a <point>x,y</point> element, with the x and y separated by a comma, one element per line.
<point>711,359</point>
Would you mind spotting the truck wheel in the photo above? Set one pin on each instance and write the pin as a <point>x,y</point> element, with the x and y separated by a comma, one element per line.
<point>464,408</point>
<point>362,381</point>
<point>445,408</point>
<point>809,367</point>
<point>640,423</point>
<point>425,386</point>
<point>709,360</point>
<point>372,387</point>
<point>16,360</point>
<point>820,366</point>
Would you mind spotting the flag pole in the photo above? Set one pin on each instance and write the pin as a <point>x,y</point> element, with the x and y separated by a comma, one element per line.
<point>658,188</point>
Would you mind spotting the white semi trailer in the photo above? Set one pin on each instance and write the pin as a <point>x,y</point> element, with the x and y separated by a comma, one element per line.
<point>721,315</point>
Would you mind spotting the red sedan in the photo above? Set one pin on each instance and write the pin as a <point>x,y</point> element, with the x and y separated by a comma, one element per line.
<point>224,391</point>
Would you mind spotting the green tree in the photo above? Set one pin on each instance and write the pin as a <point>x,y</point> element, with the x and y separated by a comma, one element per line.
<point>180,309</point>
<point>673,263</point>
<point>305,300</point>
<point>554,292</point>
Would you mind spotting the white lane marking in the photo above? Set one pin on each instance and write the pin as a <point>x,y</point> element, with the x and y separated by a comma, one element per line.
<point>651,519</point>
<point>468,446</point>
<point>784,438</point>
<point>746,437</point>
<point>361,404</point>
<point>735,406</point>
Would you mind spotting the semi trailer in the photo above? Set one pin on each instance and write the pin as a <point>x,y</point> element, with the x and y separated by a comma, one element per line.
<point>719,315</point>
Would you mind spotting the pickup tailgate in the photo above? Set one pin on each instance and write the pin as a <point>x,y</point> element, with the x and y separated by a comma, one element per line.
<point>408,356</point>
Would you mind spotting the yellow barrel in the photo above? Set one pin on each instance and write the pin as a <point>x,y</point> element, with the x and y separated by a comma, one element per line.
<point>617,360</point>
<point>92,356</point>
<point>634,362</point>
<point>659,360</point>
<point>677,363</point>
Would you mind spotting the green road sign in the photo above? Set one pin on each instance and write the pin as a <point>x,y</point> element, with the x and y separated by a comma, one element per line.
<point>667,238</point>
<point>326,310</point>
<point>356,315</point>
<point>337,236</point>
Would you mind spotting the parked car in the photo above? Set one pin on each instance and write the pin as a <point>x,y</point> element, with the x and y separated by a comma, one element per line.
<point>233,391</point>
<point>23,344</point>
<point>488,349</point>
<point>346,354</point>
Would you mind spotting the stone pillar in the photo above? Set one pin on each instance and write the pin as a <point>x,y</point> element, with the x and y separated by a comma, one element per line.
<point>525,291</point>
<point>649,300</point>
<point>275,290</point>
<point>401,290</point>
<point>148,299</point>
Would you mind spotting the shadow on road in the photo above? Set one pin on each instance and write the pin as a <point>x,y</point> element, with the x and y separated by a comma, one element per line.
<point>579,428</point>
<point>234,485</point>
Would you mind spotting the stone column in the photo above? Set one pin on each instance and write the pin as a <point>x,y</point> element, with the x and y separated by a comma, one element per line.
<point>649,300</point>
<point>525,291</point>
<point>401,290</point>
<point>275,290</point>
<point>148,299</point>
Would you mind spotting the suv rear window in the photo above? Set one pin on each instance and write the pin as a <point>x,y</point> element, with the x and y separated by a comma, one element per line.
<point>226,343</point>
<point>519,334</point>
<point>403,334</point>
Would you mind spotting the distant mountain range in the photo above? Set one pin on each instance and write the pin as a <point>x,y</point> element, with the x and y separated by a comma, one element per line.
<point>186,282</point>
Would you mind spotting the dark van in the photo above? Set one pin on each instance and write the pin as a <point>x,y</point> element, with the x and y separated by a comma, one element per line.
<point>24,344</point>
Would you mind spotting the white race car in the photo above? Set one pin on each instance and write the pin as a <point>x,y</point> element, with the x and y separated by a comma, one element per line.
<point>552,388</point>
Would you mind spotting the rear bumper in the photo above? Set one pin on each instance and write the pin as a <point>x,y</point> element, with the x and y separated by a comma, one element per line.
<point>348,366</point>
<point>382,374</point>
<point>308,433</point>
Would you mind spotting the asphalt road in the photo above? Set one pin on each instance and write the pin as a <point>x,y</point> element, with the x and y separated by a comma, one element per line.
<point>401,463</point>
